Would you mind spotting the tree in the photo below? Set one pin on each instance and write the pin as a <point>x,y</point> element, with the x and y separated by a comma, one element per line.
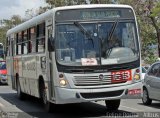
<point>6,24</point>
<point>2,35</point>
<point>14,21</point>
<point>57,3</point>
<point>154,15</point>
<point>30,13</point>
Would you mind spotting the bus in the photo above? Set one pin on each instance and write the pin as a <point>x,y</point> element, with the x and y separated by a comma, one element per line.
<point>76,54</point>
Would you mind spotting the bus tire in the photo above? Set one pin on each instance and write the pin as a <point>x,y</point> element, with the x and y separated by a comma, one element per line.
<point>112,104</point>
<point>20,94</point>
<point>145,99</point>
<point>43,96</point>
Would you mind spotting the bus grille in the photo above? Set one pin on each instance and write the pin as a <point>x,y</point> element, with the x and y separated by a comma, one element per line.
<point>102,94</point>
<point>93,80</point>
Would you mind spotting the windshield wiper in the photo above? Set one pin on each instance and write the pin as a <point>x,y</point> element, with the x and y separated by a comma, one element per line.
<point>110,36</point>
<point>84,31</point>
<point>112,30</point>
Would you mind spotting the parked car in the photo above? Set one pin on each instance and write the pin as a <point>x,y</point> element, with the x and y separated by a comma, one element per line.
<point>3,72</point>
<point>151,84</point>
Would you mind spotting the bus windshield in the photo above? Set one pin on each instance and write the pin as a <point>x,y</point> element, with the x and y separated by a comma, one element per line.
<point>96,43</point>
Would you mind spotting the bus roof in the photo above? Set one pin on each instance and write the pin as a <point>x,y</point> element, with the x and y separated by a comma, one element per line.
<point>93,6</point>
<point>40,18</point>
<point>32,22</point>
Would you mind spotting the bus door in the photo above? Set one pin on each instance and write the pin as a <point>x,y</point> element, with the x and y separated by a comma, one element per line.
<point>49,60</point>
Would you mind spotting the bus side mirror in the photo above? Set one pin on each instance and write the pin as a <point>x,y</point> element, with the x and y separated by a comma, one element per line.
<point>51,43</point>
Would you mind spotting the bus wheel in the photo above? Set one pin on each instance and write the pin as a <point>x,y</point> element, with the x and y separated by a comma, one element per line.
<point>145,99</point>
<point>47,105</point>
<point>20,94</point>
<point>112,104</point>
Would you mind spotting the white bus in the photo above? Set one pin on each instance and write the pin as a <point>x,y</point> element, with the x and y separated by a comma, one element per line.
<point>76,54</point>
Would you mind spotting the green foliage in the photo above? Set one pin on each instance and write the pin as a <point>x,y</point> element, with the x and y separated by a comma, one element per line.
<point>3,35</point>
<point>150,57</point>
<point>6,24</point>
<point>57,3</point>
<point>101,1</point>
<point>156,10</point>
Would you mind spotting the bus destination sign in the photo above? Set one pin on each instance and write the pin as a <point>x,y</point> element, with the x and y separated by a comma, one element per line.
<point>100,14</point>
<point>93,14</point>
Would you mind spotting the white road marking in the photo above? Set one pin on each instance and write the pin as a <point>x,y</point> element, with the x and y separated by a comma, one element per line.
<point>131,108</point>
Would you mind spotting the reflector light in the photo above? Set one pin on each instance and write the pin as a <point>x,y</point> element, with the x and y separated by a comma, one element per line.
<point>137,70</point>
<point>60,75</point>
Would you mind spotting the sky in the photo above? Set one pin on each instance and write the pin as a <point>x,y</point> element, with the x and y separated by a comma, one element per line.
<point>8,8</point>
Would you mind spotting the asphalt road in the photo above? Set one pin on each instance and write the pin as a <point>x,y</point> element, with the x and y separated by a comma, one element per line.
<point>12,107</point>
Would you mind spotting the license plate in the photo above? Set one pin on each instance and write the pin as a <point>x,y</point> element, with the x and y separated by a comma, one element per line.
<point>134,91</point>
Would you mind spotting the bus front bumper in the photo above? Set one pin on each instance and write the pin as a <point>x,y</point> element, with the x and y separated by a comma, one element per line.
<point>65,95</point>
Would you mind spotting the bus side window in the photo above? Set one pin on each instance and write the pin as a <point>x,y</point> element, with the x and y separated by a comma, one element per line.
<point>32,40</point>
<point>41,37</point>
<point>19,43</point>
<point>25,42</point>
<point>41,45</point>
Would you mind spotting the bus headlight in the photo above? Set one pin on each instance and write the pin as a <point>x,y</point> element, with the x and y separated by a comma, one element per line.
<point>62,81</point>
